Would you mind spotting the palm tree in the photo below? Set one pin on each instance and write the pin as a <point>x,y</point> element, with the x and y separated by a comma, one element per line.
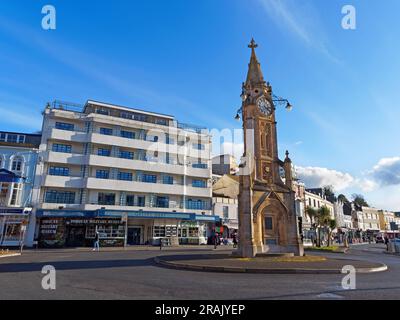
<point>331,226</point>
<point>323,217</point>
<point>312,214</point>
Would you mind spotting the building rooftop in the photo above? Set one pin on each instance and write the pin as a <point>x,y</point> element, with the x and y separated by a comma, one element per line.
<point>20,139</point>
<point>115,106</point>
<point>128,112</point>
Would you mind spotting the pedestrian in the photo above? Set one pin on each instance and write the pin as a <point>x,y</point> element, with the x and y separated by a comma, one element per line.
<point>234,240</point>
<point>216,238</point>
<point>96,241</point>
<point>387,243</point>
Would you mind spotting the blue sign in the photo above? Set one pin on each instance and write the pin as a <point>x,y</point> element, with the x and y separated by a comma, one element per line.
<point>120,213</point>
<point>12,210</point>
<point>65,213</point>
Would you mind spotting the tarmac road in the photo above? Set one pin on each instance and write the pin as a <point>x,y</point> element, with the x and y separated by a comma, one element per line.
<point>132,274</point>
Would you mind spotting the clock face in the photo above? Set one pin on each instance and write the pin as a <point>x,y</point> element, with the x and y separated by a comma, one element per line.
<point>265,106</point>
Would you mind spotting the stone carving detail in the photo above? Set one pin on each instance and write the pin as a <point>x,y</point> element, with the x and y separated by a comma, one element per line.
<point>266,172</point>
<point>268,137</point>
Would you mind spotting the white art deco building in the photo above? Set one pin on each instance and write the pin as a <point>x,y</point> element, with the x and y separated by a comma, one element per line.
<point>133,175</point>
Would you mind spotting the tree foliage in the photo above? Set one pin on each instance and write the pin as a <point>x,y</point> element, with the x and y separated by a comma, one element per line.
<point>329,193</point>
<point>359,200</point>
<point>343,198</point>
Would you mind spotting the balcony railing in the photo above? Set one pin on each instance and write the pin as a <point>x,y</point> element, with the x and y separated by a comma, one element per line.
<point>68,106</point>
<point>191,127</point>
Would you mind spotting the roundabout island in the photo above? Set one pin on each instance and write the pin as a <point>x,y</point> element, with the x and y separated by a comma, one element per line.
<point>268,264</point>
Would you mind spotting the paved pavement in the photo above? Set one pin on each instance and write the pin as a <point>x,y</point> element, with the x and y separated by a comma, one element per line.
<point>132,274</point>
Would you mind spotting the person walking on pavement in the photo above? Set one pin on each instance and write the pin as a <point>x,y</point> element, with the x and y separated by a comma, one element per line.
<point>96,241</point>
<point>234,240</point>
<point>215,240</point>
<point>387,243</point>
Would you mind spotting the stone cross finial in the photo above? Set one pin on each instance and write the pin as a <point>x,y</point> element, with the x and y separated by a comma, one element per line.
<point>253,44</point>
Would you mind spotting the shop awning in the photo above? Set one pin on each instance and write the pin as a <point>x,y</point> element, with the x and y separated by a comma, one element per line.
<point>143,214</point>
<point>9,176</point>
<point>65,213</point>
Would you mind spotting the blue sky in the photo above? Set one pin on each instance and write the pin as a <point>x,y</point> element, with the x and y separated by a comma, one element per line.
<point>189,58</point>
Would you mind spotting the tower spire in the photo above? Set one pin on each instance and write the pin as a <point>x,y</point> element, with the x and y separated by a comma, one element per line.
<point>254,74</point>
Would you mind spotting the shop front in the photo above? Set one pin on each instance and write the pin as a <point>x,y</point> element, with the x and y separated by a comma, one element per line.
<point>78,229</point>
<point>149,228</point>
<point>13,226</point>
<point>67,228</point>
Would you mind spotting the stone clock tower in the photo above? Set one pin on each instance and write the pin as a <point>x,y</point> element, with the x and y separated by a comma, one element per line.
<point>267,214</point>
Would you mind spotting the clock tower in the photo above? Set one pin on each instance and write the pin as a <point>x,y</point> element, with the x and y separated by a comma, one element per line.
<point>267,214</point>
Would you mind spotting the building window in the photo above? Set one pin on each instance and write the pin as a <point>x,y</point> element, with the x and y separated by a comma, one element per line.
<point>13,138</point>
<point>106,131</point>
<point>14,201</point>
<point>168,180</point>
<point>196,204</point>
<point>169,140</point>
<point>162,202</point>
<point>102,174</point>
<point>130,200</point>
<point>199,184</point>
<point>126,176</point>
<point>107,199</point>
<point>162,122</point>
<point>158,231</point>
<point>65,148</point>
<point>198,146</point>
<point>1,162</point>
<point>268,223</point>
<point>3,137</point>
<point>21,139</point>
<point>65,126</point>
<point>127,134</point>
<point>141,201</point>
<point>103,152</point>
<point>59,171</point>
<point>140,117</point>
<point>53,196</point>
<point>17,164</point>
<point>225,211</point>
<point>149,178</point>
<point>199,165</point>
<point>126,115</point>
<point>102,111</point>
<point>126,154</point>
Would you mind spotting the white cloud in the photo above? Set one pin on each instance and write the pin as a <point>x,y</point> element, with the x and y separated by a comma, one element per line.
<point>315,177</point>
<point>387,171</point>
<point>366,185</point>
